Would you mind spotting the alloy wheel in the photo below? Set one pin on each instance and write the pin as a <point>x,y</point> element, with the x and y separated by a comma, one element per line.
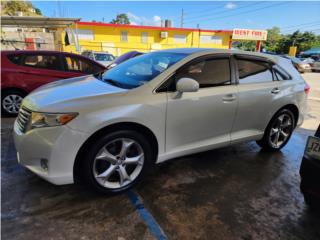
<point>12,103</point>
<point>118,163</point>
<point>280,130</point>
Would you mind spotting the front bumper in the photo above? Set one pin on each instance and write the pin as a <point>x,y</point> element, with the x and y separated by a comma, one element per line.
<point>58,146</point>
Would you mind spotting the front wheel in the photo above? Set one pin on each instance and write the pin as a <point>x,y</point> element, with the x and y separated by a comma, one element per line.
<point>278,131</point>
<point>117,161</point>
<point>11,101</point>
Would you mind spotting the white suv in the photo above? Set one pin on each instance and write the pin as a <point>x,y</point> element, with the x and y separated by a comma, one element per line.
<point>110,129</point>
<point>104,58</point>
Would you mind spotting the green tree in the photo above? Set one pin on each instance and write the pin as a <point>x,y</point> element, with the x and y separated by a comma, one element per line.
<point>121,18</point>
<point>246,45</point>
<point>302,40</point>
<point>12,7</point>
<point>272,43</point>
<point>38,11</point>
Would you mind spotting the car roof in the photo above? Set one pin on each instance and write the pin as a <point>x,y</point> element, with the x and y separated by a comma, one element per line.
<point>273,58</point>
<point>35,51</point>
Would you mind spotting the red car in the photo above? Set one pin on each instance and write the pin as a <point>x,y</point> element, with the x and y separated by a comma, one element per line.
<point>24,71</point>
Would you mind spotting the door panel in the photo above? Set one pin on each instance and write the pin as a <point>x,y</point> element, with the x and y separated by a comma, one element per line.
<point>258,98</point>
<point>257,103</point>
<point>200,119</point>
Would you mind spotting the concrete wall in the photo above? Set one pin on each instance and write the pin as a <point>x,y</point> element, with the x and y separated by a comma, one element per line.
<point>13,39</point>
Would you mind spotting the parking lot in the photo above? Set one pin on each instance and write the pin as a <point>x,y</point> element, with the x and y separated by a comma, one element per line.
<point>238,192</point>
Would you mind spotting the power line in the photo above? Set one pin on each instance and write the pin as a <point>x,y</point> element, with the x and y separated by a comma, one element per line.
<point>293,26</point>
<point>224,11</point>
<point>301,29</point>
<point>205,10</point>
<point>298,29</point>
<point>249,11</point>
<point>217,8</point>
<point>186,13</point>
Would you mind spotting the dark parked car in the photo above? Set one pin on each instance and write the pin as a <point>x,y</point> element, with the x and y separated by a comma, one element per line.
<point>310,171</point>
<point>123,58</point>
<point>24,71</point>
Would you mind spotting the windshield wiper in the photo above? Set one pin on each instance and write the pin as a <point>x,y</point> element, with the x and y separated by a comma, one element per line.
<point>112,82</point>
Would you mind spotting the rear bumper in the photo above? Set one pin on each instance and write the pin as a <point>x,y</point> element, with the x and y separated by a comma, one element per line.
<point>310,177</point>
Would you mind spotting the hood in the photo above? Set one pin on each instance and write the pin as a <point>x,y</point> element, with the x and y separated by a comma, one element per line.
<point>59,95</point>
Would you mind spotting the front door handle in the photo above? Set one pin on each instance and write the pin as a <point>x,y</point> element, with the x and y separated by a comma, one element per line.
<point>229,98</point>
<point>275,90</point>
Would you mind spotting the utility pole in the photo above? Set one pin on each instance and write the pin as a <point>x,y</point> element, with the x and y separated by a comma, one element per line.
<point>182,18</point>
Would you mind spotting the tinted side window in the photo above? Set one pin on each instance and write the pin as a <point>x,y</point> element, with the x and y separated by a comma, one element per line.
<point>208,73</point>
<point>252,71</point>
<point>79,65</point>
<point>51,62</point>
<point>16,59</point>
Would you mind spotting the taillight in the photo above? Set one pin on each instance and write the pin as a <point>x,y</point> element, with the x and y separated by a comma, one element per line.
<point>307,88</point>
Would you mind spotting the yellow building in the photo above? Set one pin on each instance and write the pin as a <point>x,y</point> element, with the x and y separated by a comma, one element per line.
<point>118,39</point>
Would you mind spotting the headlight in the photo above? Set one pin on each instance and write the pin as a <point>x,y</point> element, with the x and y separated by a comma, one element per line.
<point>39,120</point>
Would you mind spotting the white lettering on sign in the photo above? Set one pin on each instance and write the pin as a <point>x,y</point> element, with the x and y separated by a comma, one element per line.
<point>249,34</point>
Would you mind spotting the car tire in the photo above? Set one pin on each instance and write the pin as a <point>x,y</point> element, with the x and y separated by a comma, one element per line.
<point>109,165</point>
<point>278,131</point>
<point>11,101</point>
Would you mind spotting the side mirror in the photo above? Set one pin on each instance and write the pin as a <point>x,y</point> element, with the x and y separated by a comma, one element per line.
<point>187,85</point>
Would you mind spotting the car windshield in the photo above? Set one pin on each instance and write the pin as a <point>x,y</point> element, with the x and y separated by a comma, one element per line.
<point>103,57</point>
<point>139,70</point>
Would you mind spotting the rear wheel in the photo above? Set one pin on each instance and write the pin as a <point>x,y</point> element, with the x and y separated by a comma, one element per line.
<point>279,131</point>
<point>117,161</point>
<point>11,102</point>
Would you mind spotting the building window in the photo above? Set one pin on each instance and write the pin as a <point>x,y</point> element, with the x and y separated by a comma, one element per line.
<point>85,34</point>
<point>180,38</point>
<point>144,37</point>
<point>124,36</point>
<point>211,39</point>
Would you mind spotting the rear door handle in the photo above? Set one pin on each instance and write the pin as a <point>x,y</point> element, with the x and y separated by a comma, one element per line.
<point>229,98</point>
<point>275,90</point>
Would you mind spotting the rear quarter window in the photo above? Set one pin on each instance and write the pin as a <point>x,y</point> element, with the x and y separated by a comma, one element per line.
<point>280,73</point>
<point>85,66</point>
<point>15,58</point>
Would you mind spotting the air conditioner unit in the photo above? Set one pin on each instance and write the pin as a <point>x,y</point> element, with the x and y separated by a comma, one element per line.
<point>164,35</point>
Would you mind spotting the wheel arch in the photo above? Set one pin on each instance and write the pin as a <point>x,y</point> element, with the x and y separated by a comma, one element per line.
<point>294,109</point>
<point>77,173</point>
<point>14,89</point>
